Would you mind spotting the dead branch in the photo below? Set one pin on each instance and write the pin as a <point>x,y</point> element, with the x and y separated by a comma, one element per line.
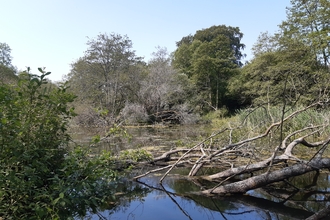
<point>287,155</point>
<point>281,166</point>
<point>152,171</point>
<point>230,146</point>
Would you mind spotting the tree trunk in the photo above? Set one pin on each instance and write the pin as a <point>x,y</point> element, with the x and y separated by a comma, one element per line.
<point>271,177</point>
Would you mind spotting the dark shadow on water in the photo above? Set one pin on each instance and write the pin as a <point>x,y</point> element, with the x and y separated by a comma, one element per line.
<point>174,200</point>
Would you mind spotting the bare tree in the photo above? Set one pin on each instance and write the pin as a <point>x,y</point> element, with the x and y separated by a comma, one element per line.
<point>161,95</point>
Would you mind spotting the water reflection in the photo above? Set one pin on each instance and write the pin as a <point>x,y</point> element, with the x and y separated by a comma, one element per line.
<point>175,200</point>
<point>163,202</point>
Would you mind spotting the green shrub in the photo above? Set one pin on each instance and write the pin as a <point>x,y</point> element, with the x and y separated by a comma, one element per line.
<point>39,177</point>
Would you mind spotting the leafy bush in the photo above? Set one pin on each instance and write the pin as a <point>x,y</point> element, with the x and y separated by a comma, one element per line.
<point>40,178</point>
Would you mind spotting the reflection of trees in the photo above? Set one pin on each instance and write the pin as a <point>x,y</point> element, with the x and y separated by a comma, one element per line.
<point>264,205</point>
<point>309,191</point>
<point>305,195</point>
<point>296,198</point>
<point>183,186</point>
<point>126,192</point>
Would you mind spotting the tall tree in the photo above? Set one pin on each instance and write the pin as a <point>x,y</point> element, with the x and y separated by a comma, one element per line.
<point>5,57</point>
<point>210,58</point>
<point>7,71</point>
<point>103,73</point>
<point>275,76</point>
<point>265,43</point>
<point>308,22</point>
<point>293,64</point>
<point>233,35</point>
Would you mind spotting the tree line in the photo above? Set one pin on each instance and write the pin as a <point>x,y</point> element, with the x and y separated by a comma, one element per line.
<point>174,88</point>
<point>205,73</point>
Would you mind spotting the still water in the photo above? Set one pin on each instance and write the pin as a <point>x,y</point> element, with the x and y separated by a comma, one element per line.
<point>175,198</point>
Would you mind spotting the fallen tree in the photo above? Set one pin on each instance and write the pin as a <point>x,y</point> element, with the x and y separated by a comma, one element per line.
<point>245,165</point>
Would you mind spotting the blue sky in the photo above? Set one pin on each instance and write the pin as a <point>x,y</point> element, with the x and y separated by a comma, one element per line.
<point>53,33</point>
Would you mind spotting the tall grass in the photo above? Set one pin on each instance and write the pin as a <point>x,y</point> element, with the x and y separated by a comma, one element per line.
<point>263,117</point>
<point>249,123</point>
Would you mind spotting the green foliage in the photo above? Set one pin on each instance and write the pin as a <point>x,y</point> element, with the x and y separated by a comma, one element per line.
<point>266,79</point>
<point>210,58</point>
<point>118,131</point>
<point>233,35</point>
<point>292,66</point>
<point>7,75</point>
<point>39,177</point>
<point>5,57</point>
<point>107,75</point>
<point>287,74</point>
<point>84,183</point>
<point>214,115</point>
<point>179,143</point>
<point>7,71</point>
<point>96,139</point>
<point>308,22</point>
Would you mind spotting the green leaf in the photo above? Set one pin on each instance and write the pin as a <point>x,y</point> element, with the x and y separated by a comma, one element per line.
<point>4,120</point>
<point>55,201</point>
<point>96,139</point>
<point>41,70</point>
<point>61,195</point>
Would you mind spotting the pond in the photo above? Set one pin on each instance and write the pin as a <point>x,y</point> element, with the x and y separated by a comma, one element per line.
<point>175,198</point>
<point>159,138</point>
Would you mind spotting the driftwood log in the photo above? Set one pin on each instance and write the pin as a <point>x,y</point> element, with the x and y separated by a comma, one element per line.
<point>237,159</point>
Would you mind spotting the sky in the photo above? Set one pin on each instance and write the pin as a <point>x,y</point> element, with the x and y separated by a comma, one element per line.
<point>53,33</point>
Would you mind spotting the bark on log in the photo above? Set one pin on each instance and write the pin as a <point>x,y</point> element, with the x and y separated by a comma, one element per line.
<point>267,178</point>
<point>239,170</point>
